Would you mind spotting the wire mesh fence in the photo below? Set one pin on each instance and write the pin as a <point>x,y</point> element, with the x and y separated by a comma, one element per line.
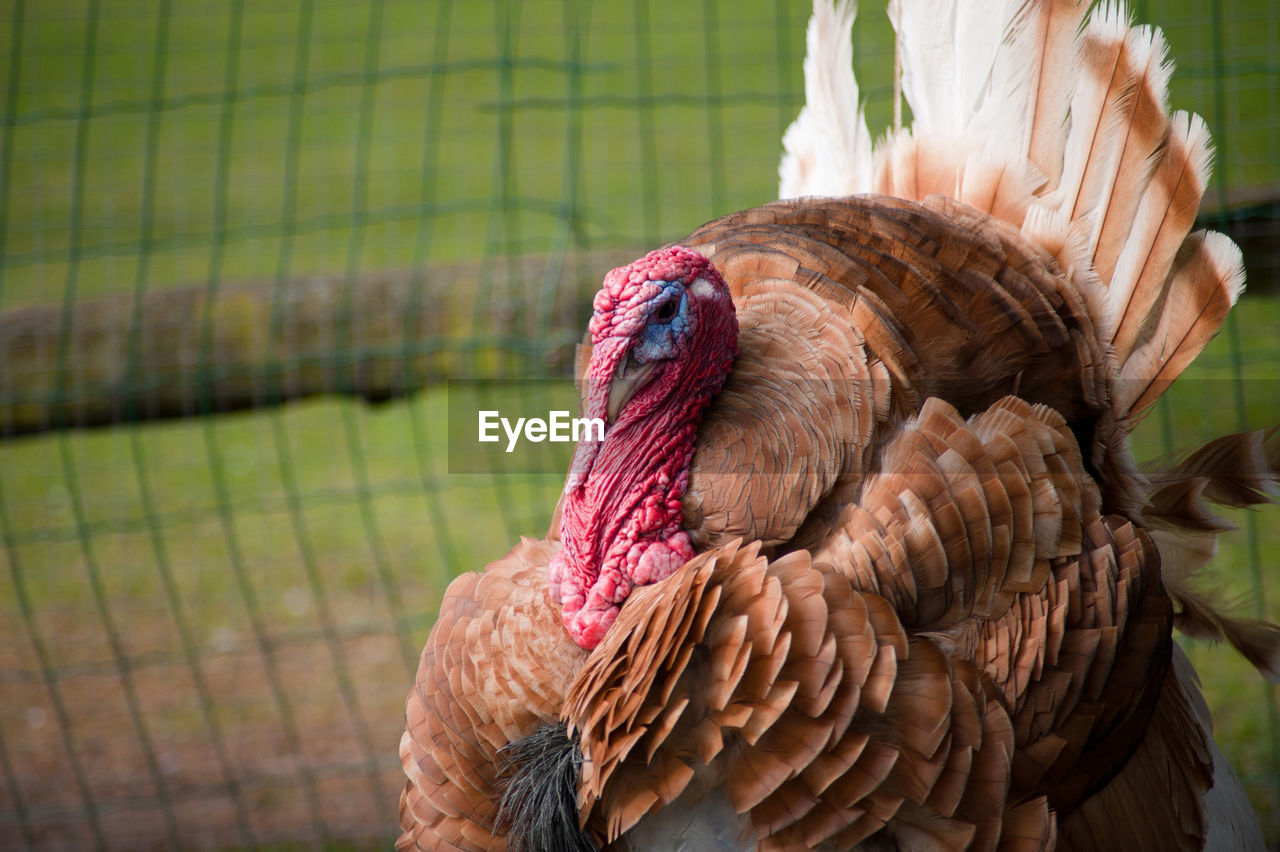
<point>211,606</point>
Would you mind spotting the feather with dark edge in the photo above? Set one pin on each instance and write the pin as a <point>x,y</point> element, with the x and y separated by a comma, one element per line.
<point>863,559</point>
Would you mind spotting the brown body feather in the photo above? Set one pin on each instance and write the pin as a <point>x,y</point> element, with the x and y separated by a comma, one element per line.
<point>853,312</point>
<point>935,598</point>
<point>879,680</point>
<point>496,667</point>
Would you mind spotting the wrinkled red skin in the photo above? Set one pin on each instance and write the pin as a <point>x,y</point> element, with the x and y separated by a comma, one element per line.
<point>621,516</point>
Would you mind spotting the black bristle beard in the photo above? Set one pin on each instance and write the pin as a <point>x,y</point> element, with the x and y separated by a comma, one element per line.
<point>539,808</point>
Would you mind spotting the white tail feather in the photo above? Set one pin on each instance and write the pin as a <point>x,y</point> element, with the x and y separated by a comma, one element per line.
<point>1207,278</point>
<point>828,147</point>
<point>947,49</point>
<point>1091,136</point>
<point>1141,129</point>
<point>1035,77</point>
<point>1060,127</point>
<point>1163,217</point>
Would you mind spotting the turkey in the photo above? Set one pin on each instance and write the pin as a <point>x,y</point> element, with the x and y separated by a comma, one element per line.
<point>862,559</point>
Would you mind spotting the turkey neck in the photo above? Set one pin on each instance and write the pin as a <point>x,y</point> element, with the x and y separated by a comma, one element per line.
<point>633,489</point>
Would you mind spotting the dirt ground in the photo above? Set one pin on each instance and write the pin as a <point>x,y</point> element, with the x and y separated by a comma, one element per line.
<point>245,748</point>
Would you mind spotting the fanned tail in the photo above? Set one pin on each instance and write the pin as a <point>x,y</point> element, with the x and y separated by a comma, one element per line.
<point>1092,166</point>
<point>1089,163</point>
<point>1057,122</point>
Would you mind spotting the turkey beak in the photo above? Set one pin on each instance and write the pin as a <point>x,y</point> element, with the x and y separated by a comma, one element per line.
<point>627,381</point>
<point>604,399</point>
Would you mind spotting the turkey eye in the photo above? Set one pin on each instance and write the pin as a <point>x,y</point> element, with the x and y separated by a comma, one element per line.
<point>667,311</point>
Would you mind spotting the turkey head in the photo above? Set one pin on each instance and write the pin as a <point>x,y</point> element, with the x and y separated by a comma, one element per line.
<point>664,335</point>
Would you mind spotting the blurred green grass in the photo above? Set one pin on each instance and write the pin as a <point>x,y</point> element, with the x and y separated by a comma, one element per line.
<point>1234,386</point>
<point>278,139</point>
<point>488,129</point>
<point>519,126</point>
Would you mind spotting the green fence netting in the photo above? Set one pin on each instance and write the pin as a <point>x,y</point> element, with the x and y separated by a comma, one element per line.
<point>211,606</point>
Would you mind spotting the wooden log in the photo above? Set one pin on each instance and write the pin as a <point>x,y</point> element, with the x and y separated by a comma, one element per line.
<point>196,350</point>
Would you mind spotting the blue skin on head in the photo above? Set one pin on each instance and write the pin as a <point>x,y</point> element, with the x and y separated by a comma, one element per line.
<point>664,336</point>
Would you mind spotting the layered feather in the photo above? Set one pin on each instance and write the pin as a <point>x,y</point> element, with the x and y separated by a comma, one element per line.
<point>935,599</point>
<point>494,670</point>
<point>1057,122</point>
<point>1058,125</point>
<point>852,313</point>
<point>880,686</point>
